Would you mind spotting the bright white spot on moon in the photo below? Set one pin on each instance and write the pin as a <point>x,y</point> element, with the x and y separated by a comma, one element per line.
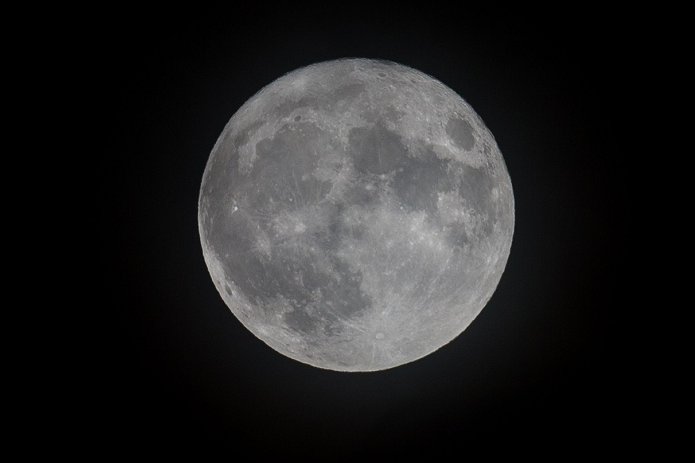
<point>356,215</point>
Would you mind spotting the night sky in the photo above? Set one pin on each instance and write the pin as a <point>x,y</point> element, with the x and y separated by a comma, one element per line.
<point>532,368</point>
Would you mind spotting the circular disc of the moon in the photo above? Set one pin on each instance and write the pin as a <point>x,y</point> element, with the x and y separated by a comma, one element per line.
<point>356,215</point>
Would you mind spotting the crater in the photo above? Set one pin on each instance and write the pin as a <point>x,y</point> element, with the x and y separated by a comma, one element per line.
<point>461,133</point>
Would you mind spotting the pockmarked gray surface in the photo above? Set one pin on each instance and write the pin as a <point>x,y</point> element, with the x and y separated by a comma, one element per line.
<point>356,215</point>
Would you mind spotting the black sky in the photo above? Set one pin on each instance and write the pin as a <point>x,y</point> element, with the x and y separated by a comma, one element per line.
<point>533,367</point>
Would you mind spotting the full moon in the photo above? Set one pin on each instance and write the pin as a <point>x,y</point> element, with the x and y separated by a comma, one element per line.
<point>356,215</point>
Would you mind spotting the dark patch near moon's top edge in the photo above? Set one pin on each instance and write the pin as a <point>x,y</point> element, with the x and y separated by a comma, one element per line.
<point>319,99</point>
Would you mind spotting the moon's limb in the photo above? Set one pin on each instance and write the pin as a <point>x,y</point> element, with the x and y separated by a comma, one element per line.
<point>356,215</point>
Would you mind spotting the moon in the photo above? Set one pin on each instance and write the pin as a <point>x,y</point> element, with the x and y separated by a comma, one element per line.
<point>356,215</point>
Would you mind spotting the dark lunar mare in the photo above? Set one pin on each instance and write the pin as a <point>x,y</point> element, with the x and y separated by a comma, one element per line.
<point>279,185</point>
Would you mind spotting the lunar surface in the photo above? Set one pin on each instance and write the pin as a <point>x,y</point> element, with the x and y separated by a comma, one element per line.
<point>356,215</point>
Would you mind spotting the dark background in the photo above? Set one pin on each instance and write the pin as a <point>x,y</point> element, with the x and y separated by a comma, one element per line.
<point>533,370</point>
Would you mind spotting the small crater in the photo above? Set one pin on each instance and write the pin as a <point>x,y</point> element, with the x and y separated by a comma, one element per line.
<point>297,118</point>
<point>382,74</point>
<point>379,336</point>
